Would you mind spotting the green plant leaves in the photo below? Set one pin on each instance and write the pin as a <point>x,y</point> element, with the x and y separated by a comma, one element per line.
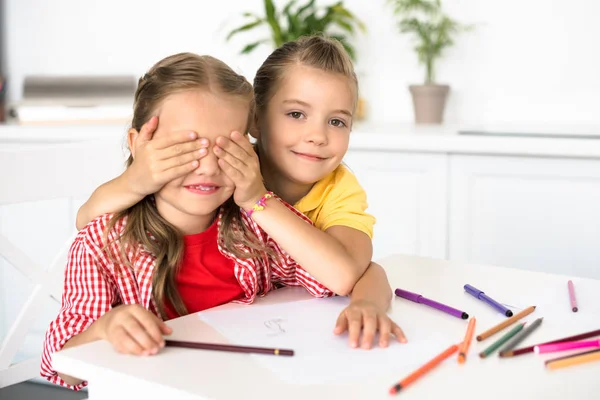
<point>432,29</point>
<point>296,20</point>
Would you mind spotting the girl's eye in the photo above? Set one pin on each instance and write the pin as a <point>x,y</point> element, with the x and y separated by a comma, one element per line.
<point>295,114</point>
<point>338,123</point>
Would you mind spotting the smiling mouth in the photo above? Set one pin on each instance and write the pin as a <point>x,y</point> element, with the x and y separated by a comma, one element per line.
<point>202,189</point>
<point>310,157</point>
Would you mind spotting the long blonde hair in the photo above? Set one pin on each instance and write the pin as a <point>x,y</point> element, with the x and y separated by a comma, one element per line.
<point>145,226</point>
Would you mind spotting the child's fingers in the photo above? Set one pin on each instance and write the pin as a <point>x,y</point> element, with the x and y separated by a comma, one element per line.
<point>179,137</point>
<point>385,328</point>
<point>143,337</point>
<point>180,160</point>
<point>180,149</point>
<point>354,326</point>
<point>369,330</point>
<point>148,129</point>
<point>243,142</point>
<point>150,325</point>
<point>397,331</point>
<point>230,159</point>
<point>341,325</point>
<point>234,174</point>
<point>232,148</point>
<point>124,343</point>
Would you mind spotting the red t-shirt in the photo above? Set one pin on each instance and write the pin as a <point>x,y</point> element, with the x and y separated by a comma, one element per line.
<point>206,277</point>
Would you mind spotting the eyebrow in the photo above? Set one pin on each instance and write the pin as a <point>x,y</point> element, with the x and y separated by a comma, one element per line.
<point>305,104</point>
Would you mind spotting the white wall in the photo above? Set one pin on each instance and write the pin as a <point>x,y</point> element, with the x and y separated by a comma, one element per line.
<point>528,61</point>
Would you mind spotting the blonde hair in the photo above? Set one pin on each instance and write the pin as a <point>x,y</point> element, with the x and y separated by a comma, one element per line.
<point>323,53</point>
<point>145,226</point>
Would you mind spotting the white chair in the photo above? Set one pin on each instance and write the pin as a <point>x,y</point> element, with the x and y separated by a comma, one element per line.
<point>35,172</point>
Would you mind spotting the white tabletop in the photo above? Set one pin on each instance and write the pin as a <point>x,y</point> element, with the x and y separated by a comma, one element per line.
<point>193,374</point>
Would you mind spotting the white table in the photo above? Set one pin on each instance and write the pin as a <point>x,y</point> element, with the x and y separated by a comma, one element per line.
<point>191,374</point>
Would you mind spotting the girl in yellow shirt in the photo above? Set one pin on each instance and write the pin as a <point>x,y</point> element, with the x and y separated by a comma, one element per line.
<point>306,93</point>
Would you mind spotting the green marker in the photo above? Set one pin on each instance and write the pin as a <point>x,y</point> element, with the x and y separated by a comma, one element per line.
<point>494,346</point>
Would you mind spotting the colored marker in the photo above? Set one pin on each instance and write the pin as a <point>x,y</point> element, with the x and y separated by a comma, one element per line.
<point>423,370</point>
<point>529,349</point>
<point>574,359</point>
<point>495,329</point>
<point>417,298</point>
<point>502,340</point>
<point>478,294</point>
<point>463,349</point>
<point>521,336</point>
<point>572,296</point>
<point>564,346</point>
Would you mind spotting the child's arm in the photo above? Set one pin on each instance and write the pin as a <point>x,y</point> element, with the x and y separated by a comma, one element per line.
<point>156,162</point>
<point>87,305</point>
<point>321,254</point>
<point>369,302</point>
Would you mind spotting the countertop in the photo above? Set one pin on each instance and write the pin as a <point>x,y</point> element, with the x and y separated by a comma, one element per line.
<point>568,141</point>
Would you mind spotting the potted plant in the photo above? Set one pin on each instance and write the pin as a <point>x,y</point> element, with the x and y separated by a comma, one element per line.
<point>433,32</point>
<point>295,20</point>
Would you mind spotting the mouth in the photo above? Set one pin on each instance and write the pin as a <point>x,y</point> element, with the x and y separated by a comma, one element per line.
<point>203,189</point>
<point>309,157</point>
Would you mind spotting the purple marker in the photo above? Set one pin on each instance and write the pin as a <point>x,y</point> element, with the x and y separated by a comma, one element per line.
<point>478,294</point>
<point>417,298</point>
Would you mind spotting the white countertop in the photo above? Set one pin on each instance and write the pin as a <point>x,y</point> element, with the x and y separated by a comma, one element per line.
<point>376,137</point>
<point>446,139</point>
<point>190,374</point>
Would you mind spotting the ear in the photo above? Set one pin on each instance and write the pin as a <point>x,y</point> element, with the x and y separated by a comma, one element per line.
<point>132,136</point>
<point>254,128</point>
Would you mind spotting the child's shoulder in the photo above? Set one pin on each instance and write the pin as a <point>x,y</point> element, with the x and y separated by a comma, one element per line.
<point>95,231</point>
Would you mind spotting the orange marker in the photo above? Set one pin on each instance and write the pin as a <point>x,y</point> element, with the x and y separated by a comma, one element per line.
<point>574,359</point>
<point>463,349</point>
<point>423,370</point>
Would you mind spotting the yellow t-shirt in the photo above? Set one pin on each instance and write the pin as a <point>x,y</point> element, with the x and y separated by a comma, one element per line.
<point>337,199</point>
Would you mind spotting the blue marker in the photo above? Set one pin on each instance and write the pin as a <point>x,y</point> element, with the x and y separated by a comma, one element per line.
<point>478,294</point>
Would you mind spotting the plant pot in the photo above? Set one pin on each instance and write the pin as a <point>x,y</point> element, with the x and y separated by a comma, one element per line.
<point>429,102</point>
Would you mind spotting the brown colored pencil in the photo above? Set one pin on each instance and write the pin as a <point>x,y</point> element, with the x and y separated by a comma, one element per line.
<point>228,347</point>
<point>505,323</point>
<point>525,350</point>
<point>573,359</point>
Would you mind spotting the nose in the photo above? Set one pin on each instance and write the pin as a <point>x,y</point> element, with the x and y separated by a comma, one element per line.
<point>209,165</point>
<point>316,134</point>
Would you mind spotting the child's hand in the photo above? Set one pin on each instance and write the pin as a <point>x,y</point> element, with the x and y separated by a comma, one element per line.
<point>364,316</point>
<point>132,329</point>
<point>159,161</point>
<point>239,161</point>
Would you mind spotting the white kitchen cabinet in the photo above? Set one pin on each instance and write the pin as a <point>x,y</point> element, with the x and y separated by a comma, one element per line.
<point>540,214</point>
<point>407,194</point>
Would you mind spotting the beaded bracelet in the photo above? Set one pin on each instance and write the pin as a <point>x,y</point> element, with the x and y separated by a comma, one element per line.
<point>260,204</point>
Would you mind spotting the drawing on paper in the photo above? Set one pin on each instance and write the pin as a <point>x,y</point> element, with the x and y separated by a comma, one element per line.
<point>275,326</point>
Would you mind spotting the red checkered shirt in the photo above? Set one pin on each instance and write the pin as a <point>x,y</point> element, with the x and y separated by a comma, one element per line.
<point>94,284</point>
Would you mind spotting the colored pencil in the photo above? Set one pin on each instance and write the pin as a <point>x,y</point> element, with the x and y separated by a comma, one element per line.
<point>501,341</point>
<point>564,346</point>
<point>230,348</point>
<point>424,369</point>
<point>572,298</point>
<point>526,350</point>
<point>463,349</point>
<point>521,336</point>
<point>505,323</point>
<point>575,359</point>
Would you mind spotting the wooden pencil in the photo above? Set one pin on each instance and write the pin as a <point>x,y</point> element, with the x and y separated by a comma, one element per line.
<point>230,348</point>
<point>574,359</point>
<point>526,350</point>
<point>505,323</point>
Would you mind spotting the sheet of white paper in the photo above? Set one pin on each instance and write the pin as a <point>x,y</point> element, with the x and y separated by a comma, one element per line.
<point>319,356</point>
